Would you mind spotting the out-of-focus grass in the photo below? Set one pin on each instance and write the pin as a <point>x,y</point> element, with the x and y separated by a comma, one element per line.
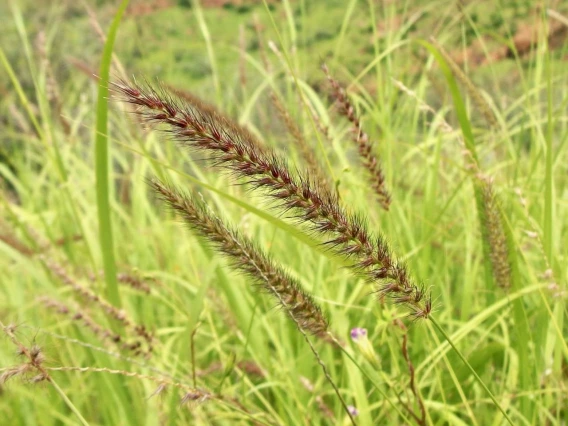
<point>515,339</point>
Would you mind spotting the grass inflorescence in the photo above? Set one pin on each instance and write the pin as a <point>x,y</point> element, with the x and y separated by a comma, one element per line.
<point>327,213</point>
<point>231,147</point>
<point>299,305</point>
<point>364,144</point>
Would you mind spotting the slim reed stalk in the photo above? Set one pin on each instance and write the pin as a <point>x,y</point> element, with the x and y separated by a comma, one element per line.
<point>102,172</point>
<point>420,419</point>
<point>472,370</point>
<point>475,94</point>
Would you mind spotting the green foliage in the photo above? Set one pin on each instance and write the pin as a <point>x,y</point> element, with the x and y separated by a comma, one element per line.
<point>184,3</point>
<point>196,342</point>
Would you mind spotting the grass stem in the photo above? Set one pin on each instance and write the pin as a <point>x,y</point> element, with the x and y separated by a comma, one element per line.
<point>470,368</point>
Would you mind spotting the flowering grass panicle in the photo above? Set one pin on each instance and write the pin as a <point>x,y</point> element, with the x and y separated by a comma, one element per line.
<point>119,315</point>
<point>200,127</point>
<point>362,140</point>
<point>495,236</point>
<point>248,258</point>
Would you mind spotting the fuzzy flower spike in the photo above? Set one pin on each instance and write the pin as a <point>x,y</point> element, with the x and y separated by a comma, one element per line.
<point>202,128</point>
<point>248,258</point>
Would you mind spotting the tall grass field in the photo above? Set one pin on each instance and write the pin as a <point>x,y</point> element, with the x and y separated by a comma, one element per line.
<point>292,212</point>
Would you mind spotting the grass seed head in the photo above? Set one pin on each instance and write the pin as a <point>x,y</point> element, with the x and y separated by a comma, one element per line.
<point>202,128</point>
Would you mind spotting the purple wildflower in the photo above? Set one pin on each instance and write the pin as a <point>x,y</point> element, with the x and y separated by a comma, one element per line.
<point>358,333</point>
<point>352,410</point>
<point>361,340</point>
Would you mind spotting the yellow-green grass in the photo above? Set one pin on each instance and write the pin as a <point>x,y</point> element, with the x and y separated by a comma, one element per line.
<point>206,318</point>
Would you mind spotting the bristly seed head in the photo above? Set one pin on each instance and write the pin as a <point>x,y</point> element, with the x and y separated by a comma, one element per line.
<point>298,304</point>
<point>194,397</point>
<point>361,139</point>
<point>201,127</point>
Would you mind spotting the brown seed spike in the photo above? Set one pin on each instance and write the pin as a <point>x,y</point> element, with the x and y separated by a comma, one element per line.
<point>234,149</point>
<point>300,306</point>
<point>361,139</point>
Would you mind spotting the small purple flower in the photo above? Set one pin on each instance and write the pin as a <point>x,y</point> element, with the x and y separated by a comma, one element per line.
<point>360,339</point>
<point>352,410</point>
<point>358,333</point>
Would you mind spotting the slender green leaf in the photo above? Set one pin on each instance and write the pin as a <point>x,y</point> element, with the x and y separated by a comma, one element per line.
<point>102,163</point>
